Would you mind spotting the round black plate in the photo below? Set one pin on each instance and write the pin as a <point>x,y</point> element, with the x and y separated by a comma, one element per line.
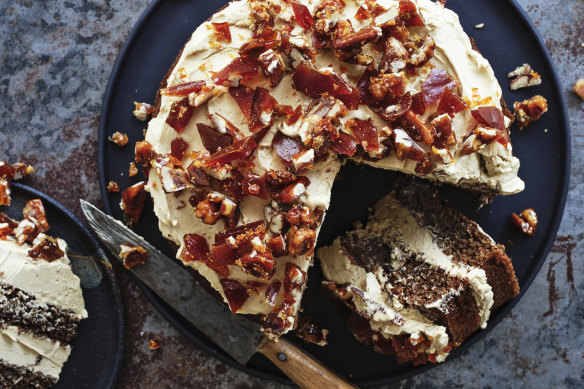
<point>97,351</point>
<point>508,40</point>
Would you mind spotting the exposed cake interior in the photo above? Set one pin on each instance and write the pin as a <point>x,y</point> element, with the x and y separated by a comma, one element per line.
<point>265,100</point>
<point>409,273</point>
<point>41,303</point>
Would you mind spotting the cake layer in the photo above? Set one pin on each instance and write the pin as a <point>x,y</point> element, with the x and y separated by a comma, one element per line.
<point>18,308</point>
<point>18,377</point>
<point>419,268</point>
<point>33,353</point>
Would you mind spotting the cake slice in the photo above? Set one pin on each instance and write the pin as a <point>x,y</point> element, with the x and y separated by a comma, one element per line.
<point>420,275</point>
<point>269,97</point>
<point>41,303</point>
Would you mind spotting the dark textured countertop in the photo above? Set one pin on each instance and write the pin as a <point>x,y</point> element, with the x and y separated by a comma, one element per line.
<point>55,60</point>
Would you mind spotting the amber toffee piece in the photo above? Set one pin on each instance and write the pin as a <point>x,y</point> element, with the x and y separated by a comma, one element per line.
<point>421,276</point>
<point>266,99</point>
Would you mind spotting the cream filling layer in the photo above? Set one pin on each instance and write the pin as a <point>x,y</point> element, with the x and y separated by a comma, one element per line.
<point>391,219</point>
<point>203,55</point>
<point>49,282</point>
<point>37,354</point>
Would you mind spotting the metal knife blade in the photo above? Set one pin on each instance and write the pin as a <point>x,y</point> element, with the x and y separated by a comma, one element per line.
<point>236,335</point>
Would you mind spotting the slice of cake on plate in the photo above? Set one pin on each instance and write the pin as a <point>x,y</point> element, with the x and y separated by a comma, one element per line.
<point>265,101</point>
<point>41,303</point>
<point>420,276</point>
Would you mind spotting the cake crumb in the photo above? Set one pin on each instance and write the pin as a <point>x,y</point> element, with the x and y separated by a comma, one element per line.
<point>479,26</point>
<point>113,187</point>
<point>142,111</point>
<point>579,88</point>
<point>119,138</point>
<point>153,345</point>
<point>311,331</point>
<point>133,171</point>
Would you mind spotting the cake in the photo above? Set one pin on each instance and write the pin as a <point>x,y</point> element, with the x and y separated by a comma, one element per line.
<point>420,276</point>
<point>268,98</point>
<point>41,303</point>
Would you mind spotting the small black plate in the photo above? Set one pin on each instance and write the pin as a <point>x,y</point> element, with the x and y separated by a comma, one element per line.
<point>507,40</point>
<point>97,351</point>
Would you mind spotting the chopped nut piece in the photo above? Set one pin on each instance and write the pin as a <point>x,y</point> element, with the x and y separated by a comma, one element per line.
<point>153,345</point>
<point>424,52</point>
<point>171,173</point>
<point>142,111</point>
<point>579,88</point>
<point>34,211</point>
<point>405,147</point>
<point>273,66</point>
<point>526,222</point>
<point>208,211</point>
<point>113,187</point>
<point>133,170</point>
<point>15,171</point>
<point>523,77</point>
<point>522,70</point>
<point>301,240</point>
<point>132,255</point>
<point>303,161</point>
<point>530,110</point>
<point>395,57</point>
<point>119,138</point>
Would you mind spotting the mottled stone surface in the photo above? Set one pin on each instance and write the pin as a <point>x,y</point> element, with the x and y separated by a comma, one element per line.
<point>55,60</point>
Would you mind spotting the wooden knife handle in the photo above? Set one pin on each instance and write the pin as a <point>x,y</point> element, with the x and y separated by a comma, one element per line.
<point>304,370</point>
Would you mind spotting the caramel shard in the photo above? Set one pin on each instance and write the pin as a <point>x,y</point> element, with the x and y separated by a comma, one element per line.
<point>132,255</point>
<point>523,77</point>
<point>113,187</point>
<point>46,248</point>
<point>153,345</point>
<point>4,192</point>
<point>526,222</point>
<point>579,88</point>
<point>142,111</point>
<point>528,111</point>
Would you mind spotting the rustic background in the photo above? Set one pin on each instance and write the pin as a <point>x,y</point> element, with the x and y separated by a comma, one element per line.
<point>55,60</point>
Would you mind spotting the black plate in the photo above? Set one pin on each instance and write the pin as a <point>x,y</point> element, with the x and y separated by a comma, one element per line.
<point>508,40</point>
<point>97,351</point>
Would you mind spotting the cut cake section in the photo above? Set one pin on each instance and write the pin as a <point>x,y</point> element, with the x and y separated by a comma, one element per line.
<point>418,274</point>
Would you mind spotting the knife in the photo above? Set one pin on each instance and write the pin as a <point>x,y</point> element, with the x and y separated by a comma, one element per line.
<point>236,335</point>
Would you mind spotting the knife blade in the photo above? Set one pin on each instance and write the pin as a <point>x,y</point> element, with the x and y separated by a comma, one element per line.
<point>236,335</point>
